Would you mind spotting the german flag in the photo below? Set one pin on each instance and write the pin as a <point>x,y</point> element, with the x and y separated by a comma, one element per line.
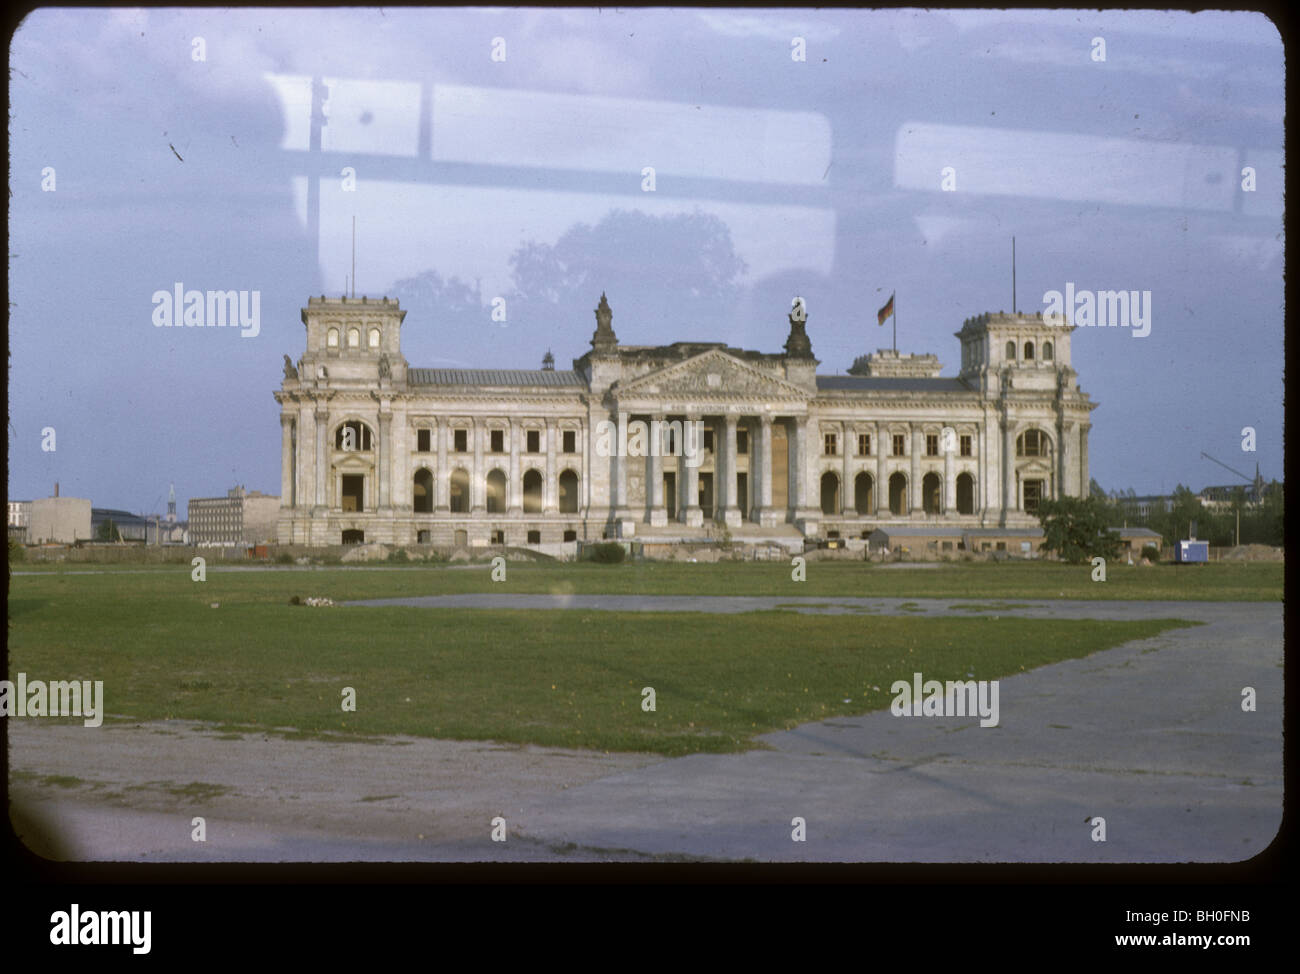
<point>886,311</point>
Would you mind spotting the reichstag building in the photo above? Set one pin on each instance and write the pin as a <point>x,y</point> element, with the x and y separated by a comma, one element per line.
<point>373,449</point>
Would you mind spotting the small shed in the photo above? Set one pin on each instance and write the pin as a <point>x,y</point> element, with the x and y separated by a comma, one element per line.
<point>1191,552</point>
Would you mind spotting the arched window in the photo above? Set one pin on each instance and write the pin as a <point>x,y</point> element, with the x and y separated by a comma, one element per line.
<point>568,492</point>
<point>1033,443</point>
<point>459,498</point>
<point>353,435</point>
<point>1029,351</point>
<point>862,499</point>
<point>422,492</point>
<point>1047,351</point>
<point>830,493</point>
<point>332,338</point>
<point>532,492</point>
<point>898,494</point>
<point>931,494</point>
<point>496,492</point>
<point>965,494</point>
<point>374,338</point>
<point>354,338</point>
<point>1011,351</point>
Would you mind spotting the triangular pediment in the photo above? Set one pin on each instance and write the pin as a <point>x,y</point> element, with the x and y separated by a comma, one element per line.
<point>712,376</point>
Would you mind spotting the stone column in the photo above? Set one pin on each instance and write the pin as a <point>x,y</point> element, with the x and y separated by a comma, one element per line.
<point>515,489</point>
<point>551,489</point>
<point>766,516</point>
<point>384,465</point>
<point>806,516</point>
<point>1064,457</point>
<point>914,480</point>
<point>655,491</point>
<point>796,433</point>
<point>286,460</point>
<point>620,476</point>
<point>949,485</point>
<point>442,474</point>
<point>478,477</point>
<point>690,510</point>
<point>322,455</point>
<point>1008,468</point>
<point>1085,482</point>
<point>846,480</point>
<point>882,472</point>
<point>730,494</point>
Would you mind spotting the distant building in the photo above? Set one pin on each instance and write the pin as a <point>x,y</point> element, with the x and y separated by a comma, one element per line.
<point>20,517</point>
<point>1135,539</point>
<point>241,517</point>
<point>162,531</point>
<point>1224,495</point>
<point>63,520</point>
<point>108,524</point>
<point>1140,509</point>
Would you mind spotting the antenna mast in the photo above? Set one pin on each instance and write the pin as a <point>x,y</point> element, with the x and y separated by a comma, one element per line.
<point>354,256</point>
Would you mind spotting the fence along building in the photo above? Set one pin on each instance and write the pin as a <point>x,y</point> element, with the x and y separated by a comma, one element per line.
<point>375,450</point>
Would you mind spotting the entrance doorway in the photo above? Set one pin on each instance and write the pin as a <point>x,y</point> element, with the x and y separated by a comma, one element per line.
<point>353,491</point>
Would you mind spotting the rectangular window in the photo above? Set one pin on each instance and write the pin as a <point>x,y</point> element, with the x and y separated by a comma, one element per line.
<point>570,441</point>
<point>461,444</point>
<point>742,442</point>
<point>424,440</point>
<point>708,440</point>
<point>828,444</point>
<point>1033,495</point>
<point>498,441</point>
<point>931,444</point>
<point>498,537</point>
<point>570,535</point>
<point>534,537</point>
<point>534,441</point>
<point>966,445</point>
<point>898,444</point>
<point>864,444</point>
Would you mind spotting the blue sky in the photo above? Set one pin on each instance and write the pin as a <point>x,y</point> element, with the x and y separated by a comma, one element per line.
<point>1115,174</point>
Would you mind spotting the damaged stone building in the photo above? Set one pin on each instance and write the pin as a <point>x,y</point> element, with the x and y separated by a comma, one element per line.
<point>374,449</point>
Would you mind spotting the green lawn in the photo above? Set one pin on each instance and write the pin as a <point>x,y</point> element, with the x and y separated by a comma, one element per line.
<point>1223,581</point>
<point>560,678</point>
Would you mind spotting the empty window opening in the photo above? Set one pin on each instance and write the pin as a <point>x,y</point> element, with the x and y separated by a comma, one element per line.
<point>353,491</point>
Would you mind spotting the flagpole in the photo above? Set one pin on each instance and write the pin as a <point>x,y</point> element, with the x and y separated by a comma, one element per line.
<point>895,317</point>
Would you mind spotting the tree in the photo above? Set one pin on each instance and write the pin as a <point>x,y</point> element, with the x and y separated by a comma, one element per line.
<point>108,532</point>
<point>679,269</point>
<point>1175,524</point>
<point>1078,529</point>
<point>446,304</point>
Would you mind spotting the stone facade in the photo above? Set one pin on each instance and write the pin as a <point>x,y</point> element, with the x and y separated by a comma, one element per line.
<point>375,450</point>
<point>65,520</point>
